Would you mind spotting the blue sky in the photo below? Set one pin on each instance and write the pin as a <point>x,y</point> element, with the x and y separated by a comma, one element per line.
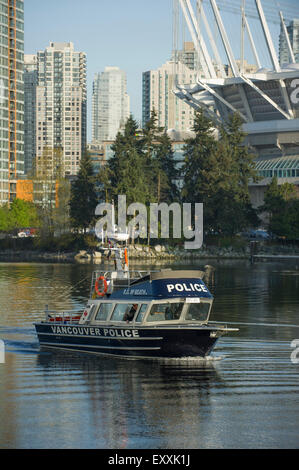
<point>133,35</point>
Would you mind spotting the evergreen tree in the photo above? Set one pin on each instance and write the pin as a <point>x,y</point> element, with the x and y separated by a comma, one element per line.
<point>120,164</point>
<point>83,200</point>
<point>199,171</point>
<point>281,203</point>
<point>243,166</point>
<point>142,166</point>
<point>151,133</point>
<point>133,178</point>
<point>161,169</point>
<point>149,158</point>
<point>216,173</point>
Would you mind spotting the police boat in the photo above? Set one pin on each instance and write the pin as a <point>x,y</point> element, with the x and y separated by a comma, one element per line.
<point>138,314</point>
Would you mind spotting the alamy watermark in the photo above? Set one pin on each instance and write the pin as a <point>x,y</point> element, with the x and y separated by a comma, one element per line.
<point>2,352</point>
<point>295,353</point>
<point>154,221</point>
<point>294,96</point>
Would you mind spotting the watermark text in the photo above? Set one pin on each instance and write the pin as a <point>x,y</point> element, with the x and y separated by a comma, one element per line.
<point>158,220</point>
<point>295,353</point>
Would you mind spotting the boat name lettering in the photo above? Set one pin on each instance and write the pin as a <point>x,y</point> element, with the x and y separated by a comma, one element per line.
<point>187,287</point>
<point>133,291</point>
<point>77,330</point>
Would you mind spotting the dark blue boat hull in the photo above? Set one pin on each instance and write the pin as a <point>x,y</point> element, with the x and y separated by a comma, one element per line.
<point>129,341</point>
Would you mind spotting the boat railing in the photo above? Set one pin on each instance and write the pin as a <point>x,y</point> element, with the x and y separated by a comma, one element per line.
<point>117,279</point>
<point>67,316</point>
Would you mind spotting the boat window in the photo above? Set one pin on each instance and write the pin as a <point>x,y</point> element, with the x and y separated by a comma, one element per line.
<point>198,311</point>
<point>141,313</point>
<point>124,312</point>
<point>104,311</point>
<point>90,309</point>
<point>165,312</point>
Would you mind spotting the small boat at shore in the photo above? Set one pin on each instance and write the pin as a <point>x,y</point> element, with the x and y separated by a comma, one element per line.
<point>139,315</point>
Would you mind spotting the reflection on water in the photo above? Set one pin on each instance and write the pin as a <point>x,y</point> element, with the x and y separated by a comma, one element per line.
<point>244,396</point>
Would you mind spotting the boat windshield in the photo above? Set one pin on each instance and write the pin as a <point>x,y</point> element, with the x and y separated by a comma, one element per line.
<point>104,311</point>
<point>165,312</point>
<point>198,311</point>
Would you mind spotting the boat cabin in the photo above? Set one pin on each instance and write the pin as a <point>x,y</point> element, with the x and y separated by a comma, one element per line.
<point>151,299</point>
<point>154,312</point>
<point>161,297</point>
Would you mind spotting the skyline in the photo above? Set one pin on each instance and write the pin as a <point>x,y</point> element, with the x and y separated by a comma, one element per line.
<point>136,36</point>
<point>65,20</point>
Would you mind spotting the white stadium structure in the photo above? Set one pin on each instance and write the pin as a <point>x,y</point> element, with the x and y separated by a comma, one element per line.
<point>266,95</point>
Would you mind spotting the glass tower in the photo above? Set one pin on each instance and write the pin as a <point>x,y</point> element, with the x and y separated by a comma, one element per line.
<point>110,104</point>
<point>293,32</point>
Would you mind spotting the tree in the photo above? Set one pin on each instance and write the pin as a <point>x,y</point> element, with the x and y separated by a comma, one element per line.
<point>161,166</point>
<point>197,153</point>
<point>61,211</point>
<point>243,169</point>
<point>83,199</point>
<point>165,156</point>
<point>282,205</point>
<point>217,173</point>
<point>127,150</point>
<point>4,218</point>
<point>20,214</point>
<point>48,177</point>
<point>142,167</point>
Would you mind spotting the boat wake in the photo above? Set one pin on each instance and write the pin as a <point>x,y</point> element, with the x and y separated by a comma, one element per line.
<point>21,346</point>
<point>191,360</point>
<point>19,340</point>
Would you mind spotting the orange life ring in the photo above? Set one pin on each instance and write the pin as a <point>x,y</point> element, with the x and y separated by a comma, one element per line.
<point>126,256</point>
<point>101,293</point>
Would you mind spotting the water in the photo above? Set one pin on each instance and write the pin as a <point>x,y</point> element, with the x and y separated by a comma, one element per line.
<point>244,396</point>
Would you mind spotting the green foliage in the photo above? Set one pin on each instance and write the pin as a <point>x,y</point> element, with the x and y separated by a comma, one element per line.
<point>282,205</point>
<point>83,199</point>
<point>229,241</point>
<point>5,225</point>
<point>142,168</point>
<point>61,211</point>
<point>68,242</point>
<point>20,214</point>
<point>217,173</point>
<point>51,190</point>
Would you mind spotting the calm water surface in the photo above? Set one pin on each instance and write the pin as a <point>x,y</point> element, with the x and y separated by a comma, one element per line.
<point>246,395</point>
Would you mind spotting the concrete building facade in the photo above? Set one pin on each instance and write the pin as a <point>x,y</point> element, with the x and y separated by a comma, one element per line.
<point>157,94</point>
<point>11,97</point>
<point>30,84</point>
<point>61,104</point>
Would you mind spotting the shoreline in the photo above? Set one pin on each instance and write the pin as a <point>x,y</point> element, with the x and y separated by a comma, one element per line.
<point>157,254</point>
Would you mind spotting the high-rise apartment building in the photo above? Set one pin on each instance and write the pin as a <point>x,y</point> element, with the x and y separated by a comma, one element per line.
<point>293,32</point>
<point>157,94</point>
<point>30,84</point>
<point>11,96</point>
<point>61,106</point>
<point>188,55</point>
<point>110,104</point>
